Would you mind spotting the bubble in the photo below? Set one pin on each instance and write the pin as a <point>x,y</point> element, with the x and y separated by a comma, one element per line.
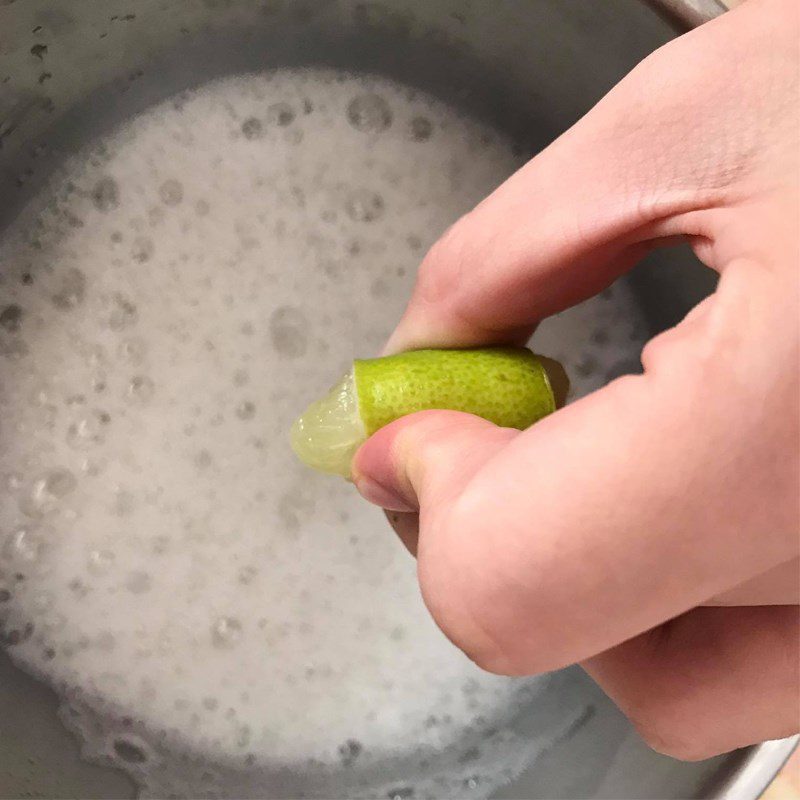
<point>141,389</point>
<point>281,114</point>
<point>155,215</point>
<point>129,751</point>
<point>124,503</point>
<point>331,268</point>
<point>11,318</point>
<point>105,642</point>
<point>142,249</point>
<point>420,129</point>
<point>293,136</point>
<point>369,113</point>
<point>132,350</point>
<point>12,347</point>
<point>71,290</point>
<point>245,410</point>
<point>171,192</point>
<point>123,313</point>
<point>226,632</point>
<point>100,562</point>
<point>350,751</point>
<point>294,507</point>
<point>138,582</point>
<point>241,377</point>
<point>252,128</point>
<point>94,355</point>
<point>78,588</point>
<point>75,222</point>
<point>299,196</point>
<point>105,194</point>
<point>288,329</point>
<point>203,459</point>
<point>47,491</point>
<point>364,205</point>
<point>24,546</point>
<point>14,629</point>
<point>92,466</point>
<point>586,366</point>
<point>89,431</point>
<point>160,545</point>
<point>243,736</point>
<point>473,754</point>
<point>246,574</point>
<point>210,703</point>
<point>379,288</point>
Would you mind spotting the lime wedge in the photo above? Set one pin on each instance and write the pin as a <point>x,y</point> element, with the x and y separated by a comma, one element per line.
<point>509,386</point>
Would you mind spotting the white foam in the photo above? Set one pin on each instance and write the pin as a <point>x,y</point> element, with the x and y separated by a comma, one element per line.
<point>214,613</point>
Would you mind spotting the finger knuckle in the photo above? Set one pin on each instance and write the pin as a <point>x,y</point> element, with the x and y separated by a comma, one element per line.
<point>459,590</point>
<point>677,744</point>
<point>673,730</point>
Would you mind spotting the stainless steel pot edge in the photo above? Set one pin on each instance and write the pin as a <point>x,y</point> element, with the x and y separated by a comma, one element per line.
<point>754,773</point>
<point>688,14</point>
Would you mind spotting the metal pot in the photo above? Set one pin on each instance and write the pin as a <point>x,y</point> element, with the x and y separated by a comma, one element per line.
<point>69,69</point>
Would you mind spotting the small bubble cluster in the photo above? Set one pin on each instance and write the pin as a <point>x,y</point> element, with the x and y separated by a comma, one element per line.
<point>105,194</point>
<point>71,289</point>
<point>141,389</point>
<point>364,206</point>
<point>171,192</point>
<point>226,632</point>
<point>47,492</point>
<point>88,431</point>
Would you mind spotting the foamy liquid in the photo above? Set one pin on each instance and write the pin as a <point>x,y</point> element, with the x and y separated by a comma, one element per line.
<point>219,620</point>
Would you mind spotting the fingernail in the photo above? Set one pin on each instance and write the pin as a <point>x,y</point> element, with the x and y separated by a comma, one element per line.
<point>381,496</point>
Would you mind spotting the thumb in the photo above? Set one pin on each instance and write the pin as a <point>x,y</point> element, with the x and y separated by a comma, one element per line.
<point>425,458</point>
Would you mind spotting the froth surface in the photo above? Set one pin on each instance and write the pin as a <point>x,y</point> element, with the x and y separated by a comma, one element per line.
<point>179,293</point>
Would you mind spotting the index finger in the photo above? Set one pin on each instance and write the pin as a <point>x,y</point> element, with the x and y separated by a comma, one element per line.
<point>589,206</point>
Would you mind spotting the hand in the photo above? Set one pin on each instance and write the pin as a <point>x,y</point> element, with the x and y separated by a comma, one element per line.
<point>650,530</point>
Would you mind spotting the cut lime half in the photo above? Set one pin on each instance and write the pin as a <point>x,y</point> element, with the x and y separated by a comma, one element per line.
<point>509,386</point>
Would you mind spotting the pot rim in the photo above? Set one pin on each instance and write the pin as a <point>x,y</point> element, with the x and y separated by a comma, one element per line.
<point>687,14</point>
<point>754,772</point>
